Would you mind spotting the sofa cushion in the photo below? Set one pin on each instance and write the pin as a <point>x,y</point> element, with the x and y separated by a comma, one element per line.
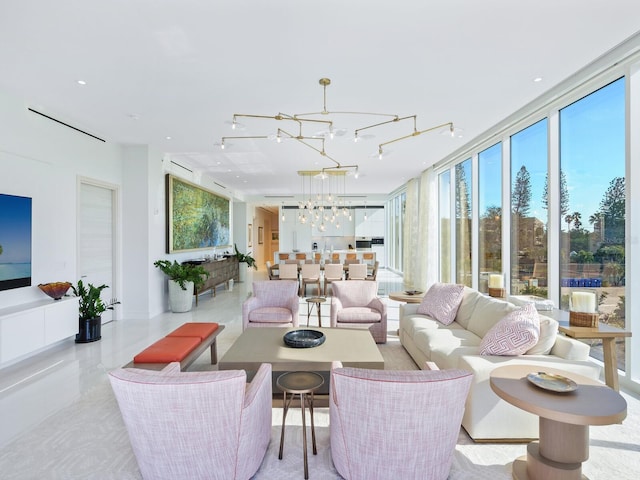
<point>487,312</point>
<point>442,301</point>
<point>359,315</point>
<point>465,311</point>
<point>514,334</point>
<point>548,334</point>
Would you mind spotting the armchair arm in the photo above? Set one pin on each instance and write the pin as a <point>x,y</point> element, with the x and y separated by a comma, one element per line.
<point>336,306</point>
<point>379,305</point>
<point>262,377</point>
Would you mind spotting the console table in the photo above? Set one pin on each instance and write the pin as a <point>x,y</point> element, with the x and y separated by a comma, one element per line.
<point>220,272</point>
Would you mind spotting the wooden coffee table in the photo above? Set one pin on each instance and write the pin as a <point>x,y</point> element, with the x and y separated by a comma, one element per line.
<point>353,347</point>
<point>564,420</point>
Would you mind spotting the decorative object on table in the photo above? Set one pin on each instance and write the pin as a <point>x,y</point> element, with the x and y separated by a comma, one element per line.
<point>303,338</point>
<point>184,279</point>
<point>582,309</point>
<point>552,382</point>
<point>496,285</point>
<point>412,292</point>
<point>55,290</point>
<point>91,307</point>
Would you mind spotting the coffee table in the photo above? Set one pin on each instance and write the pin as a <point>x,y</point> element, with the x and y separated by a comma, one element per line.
<point>564,420</point>
<point>353,347</point>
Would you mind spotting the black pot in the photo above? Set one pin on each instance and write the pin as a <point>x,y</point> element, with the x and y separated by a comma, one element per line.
<point>89,330</point>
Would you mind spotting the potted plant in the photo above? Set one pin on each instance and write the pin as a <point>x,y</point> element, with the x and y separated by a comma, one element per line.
<point>91,307</point>
<point>244,258</point>
<point>184,280</point>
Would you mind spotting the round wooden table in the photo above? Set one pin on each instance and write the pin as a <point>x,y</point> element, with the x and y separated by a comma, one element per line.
<point>317,301</point>
<point>405,297</point>
<point>564,419</point>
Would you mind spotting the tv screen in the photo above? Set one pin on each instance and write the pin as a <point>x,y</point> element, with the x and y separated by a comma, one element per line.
<point>15,241</point>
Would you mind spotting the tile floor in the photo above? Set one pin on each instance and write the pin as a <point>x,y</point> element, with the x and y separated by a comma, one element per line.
<point>39,386</point>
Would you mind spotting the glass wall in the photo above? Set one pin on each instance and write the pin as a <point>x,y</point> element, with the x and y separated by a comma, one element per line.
<point>592,240</point>
<point>490,209</point>
<point>529,204</point>
<point>444,214</point>
<point>463,200</point>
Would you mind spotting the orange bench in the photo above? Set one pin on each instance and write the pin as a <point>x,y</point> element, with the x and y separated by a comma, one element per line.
<point>184,345</point>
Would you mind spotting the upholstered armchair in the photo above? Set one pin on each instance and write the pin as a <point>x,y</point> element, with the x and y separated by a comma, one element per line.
<point>195,425</point>
<point>355,304</point>
<point>392,424</point>
<point>273,304</point>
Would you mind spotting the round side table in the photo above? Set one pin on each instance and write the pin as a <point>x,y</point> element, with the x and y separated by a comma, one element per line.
<point>317,301</point>
<point>302,384</point>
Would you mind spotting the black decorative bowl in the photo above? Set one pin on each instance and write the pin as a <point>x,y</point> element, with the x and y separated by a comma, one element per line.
<point>412,292</point>
<point>303,338</point>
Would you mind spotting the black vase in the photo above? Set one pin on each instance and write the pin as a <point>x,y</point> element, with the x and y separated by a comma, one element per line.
<point>89,330</point>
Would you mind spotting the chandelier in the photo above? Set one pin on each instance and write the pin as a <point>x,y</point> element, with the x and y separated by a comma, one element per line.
<point>317,141</point>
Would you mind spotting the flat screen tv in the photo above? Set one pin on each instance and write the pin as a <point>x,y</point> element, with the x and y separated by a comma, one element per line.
<point>15,241</point>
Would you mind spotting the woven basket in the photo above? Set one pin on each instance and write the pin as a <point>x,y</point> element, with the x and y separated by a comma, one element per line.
<point>496,292</point>
<point>581,319</point>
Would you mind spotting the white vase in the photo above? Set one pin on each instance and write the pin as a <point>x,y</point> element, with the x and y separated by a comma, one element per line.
<point>242,273</point>
<point>180,300</point>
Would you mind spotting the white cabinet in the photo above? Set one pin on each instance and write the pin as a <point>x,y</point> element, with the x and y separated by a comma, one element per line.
<point>29,327</point>
<point>373,226</point>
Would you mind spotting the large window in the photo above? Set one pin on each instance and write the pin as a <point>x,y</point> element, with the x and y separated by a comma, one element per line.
<point>592,241</point>
<point>463,222</point>
<point>529,174</point>
<point>490,209</point>
<point>444,214</point>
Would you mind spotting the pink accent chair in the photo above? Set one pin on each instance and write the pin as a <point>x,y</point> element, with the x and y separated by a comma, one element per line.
<point>355,304</point>
<point>415,441</point>
<point>273,304</point>
<point>195,425</point>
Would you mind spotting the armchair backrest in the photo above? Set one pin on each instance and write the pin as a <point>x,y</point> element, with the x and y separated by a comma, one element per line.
<point>355,293</point>
<point>369,432</point>
<point>275,294</point>
<point>195,424</point>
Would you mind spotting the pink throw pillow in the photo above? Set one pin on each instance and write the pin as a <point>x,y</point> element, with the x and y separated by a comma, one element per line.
<point>516,333</point>
<point>442,301</point>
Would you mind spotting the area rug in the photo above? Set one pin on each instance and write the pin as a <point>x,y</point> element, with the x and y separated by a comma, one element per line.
<point>88,440</point>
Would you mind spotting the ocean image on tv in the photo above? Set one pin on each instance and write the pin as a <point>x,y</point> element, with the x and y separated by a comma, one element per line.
<point>15,242</point>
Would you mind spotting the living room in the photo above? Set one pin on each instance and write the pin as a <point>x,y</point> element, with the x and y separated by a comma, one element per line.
<point>48,162</point>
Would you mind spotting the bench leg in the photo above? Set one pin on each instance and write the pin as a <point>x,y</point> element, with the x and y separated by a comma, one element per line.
<point>214,351</point>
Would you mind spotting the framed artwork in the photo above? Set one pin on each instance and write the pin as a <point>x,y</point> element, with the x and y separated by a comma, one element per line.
<point>197,219</point>
<point>250,235</point>
<point>260,235</point>
<point>275,236</point>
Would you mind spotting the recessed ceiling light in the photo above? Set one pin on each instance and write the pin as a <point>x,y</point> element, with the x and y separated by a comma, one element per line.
<point>81,82</point>
<point>537,79</point>
<point>168,138</point>
<point>134,116</point>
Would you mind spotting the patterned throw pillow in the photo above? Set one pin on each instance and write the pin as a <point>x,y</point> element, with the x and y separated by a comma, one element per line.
<point>442,301</point>
<point>516,333</point>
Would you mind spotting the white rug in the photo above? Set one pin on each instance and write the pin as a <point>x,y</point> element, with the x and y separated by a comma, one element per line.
<point>87,440</point>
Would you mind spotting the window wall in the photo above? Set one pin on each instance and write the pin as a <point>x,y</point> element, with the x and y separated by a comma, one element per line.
<point>529,204</point>
<point>592,206</point>
<point>490,213</point>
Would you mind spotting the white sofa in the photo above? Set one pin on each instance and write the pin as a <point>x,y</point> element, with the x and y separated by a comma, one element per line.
<point>487,417</point>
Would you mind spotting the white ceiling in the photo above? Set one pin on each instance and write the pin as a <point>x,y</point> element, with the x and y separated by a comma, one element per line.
<point>159,68</point>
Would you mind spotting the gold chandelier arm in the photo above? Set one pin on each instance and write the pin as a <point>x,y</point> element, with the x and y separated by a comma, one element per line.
<point>309,114</point>
<point>415,134</point>
<point>243,138</point>
<point>396,119</point>
<point>301,139</point>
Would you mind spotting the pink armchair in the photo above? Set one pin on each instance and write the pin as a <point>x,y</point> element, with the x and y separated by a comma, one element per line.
<point>355,304</point>
<point>273,304</point>
<point>195,425</point>
<point>391,424</point>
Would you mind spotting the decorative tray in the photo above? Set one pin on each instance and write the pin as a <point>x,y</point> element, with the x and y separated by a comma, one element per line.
<point>303,338</point>
<point>552,382</point>
<point>412,292</point>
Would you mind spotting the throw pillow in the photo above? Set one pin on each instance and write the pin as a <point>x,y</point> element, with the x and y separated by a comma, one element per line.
<point>548,334</point>
<point>516,333</point>
<point>442,301</point>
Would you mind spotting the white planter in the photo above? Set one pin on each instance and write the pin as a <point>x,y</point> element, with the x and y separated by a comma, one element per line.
<point>242,272</point>
<point>180,300</point>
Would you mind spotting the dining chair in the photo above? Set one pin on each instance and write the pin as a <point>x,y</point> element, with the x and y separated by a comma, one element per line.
<point>357,271</point>
<point>288,271</point>
<point>309,274</point>
<point>271,272</point>
<point>332,273</point>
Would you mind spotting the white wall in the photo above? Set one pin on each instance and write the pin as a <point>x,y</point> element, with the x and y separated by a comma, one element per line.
<point>42,159</point>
